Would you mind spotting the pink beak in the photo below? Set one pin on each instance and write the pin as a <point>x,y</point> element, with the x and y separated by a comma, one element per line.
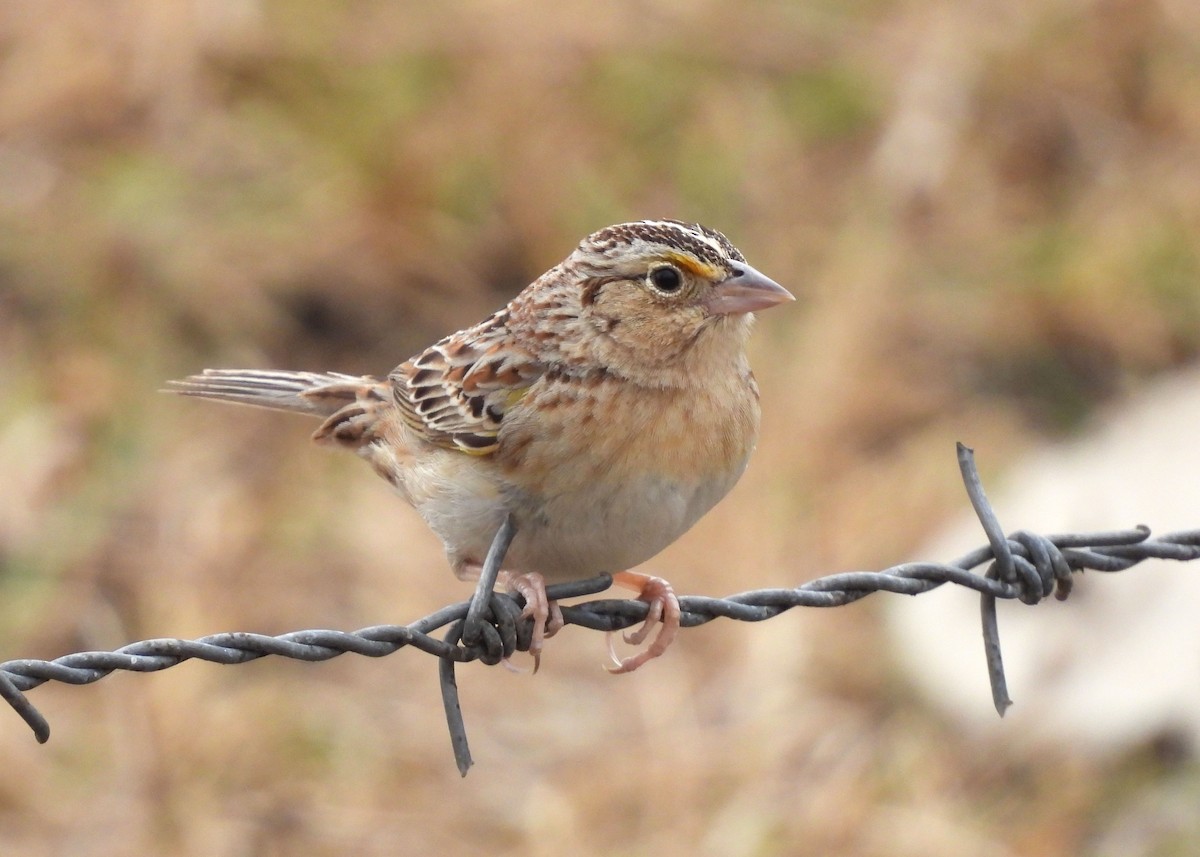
<point>746,291</point>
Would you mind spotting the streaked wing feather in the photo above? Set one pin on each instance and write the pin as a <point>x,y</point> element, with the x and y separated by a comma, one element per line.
<point>455,393</point>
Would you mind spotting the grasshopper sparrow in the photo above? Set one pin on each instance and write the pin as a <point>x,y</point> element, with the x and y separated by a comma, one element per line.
<point>606,408</point>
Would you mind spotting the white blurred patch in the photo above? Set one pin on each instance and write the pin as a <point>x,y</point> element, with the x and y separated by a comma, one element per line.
<point>1119,662</point>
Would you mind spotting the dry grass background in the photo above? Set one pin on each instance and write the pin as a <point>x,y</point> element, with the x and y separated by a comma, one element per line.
<point>992,207</point>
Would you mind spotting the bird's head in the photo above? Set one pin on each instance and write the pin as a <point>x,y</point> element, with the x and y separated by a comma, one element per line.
<point>654,289</point>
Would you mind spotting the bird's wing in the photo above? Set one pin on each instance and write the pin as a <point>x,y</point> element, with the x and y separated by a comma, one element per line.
<point>456,392</point>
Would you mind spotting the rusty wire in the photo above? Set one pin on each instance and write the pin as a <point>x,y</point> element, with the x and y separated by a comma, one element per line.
<point>1022,566</point>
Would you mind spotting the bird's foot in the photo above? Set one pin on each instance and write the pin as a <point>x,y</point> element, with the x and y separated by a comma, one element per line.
<point>664,610</point>
<point>546,614</point>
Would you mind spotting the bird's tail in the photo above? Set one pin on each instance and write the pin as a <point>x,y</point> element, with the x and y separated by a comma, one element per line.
<point>314,393</point>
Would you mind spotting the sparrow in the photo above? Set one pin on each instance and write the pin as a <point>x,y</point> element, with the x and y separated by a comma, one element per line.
<point>605,409</point>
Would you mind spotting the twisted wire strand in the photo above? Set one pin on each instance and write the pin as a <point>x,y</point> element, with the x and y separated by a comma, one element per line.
<point>1022,566</point>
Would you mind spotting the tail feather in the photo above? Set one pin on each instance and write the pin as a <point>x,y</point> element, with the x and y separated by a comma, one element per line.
<point>314,393</point>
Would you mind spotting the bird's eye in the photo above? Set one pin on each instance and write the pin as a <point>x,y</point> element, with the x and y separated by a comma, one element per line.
<point>666,279</point>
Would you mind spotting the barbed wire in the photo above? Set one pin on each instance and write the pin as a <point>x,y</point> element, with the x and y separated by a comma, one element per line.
<point>1023,566</point>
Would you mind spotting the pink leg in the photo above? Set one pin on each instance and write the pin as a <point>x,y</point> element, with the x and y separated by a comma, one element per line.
<point>546,614</point>
<point>664,609</point>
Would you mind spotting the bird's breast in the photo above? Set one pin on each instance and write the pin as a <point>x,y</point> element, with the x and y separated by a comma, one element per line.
<point>570,433</point>
<point>604,475</point>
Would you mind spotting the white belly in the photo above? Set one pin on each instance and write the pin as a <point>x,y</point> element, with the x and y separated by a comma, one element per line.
<point>569,536</point>
<point>575,536</point>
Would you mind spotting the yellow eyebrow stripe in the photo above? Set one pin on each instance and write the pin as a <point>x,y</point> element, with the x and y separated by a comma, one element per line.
<point>693,265</point>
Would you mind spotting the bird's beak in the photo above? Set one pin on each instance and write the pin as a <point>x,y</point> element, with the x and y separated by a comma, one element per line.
<point>746,291</point>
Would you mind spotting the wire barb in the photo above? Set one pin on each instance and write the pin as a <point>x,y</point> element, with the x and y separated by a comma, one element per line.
<point>1023,566</point>
<point>474,629</point>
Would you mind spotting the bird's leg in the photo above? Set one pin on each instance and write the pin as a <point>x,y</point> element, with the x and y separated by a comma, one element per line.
<point>546,614</point>
<point>664,609</point>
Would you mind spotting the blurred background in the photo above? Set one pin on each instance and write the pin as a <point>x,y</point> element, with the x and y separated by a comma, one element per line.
<point>990,210</point>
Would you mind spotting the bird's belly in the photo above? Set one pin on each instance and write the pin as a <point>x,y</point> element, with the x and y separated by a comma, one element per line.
<point>609,527</point>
